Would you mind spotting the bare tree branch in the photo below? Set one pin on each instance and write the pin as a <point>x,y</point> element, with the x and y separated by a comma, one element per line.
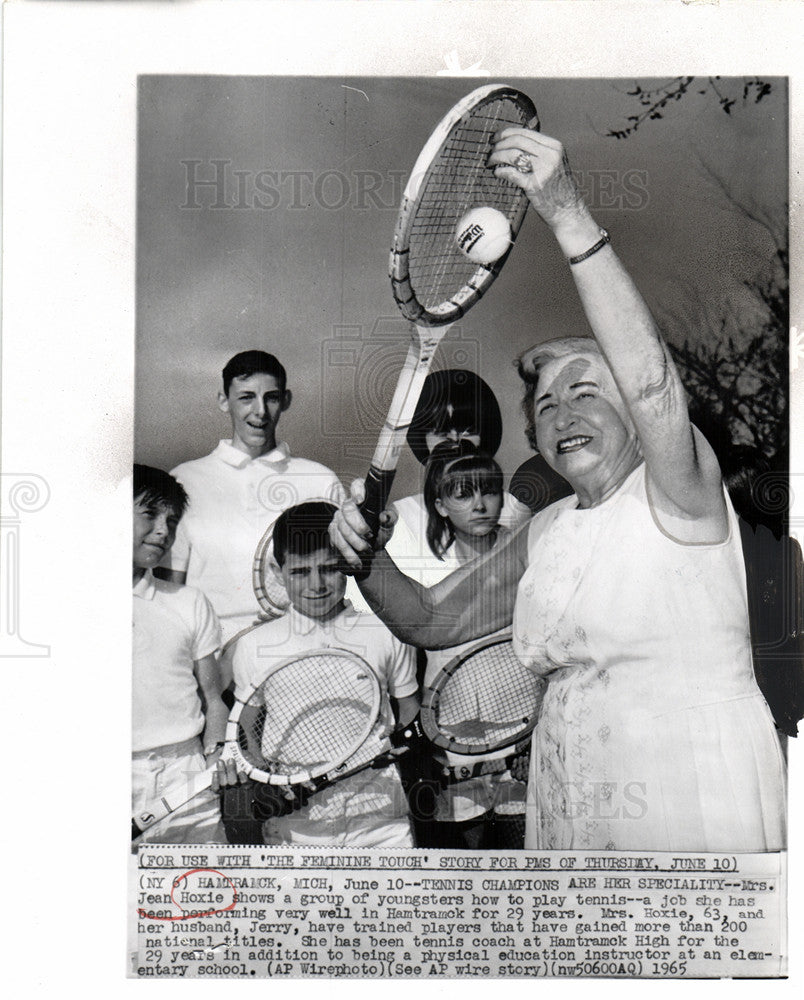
<point>655,101</point>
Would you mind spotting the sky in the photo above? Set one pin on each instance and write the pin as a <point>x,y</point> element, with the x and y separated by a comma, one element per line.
<point>285,247</point>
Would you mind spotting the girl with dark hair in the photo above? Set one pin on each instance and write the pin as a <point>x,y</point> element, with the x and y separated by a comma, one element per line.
<point>463,496</point>
<point>455,404</point>
<point>456,407</point>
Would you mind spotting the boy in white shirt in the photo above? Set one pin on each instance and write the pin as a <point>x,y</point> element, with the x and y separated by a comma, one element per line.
<point>368,809</point>
<point>178,716</point>
<point>239,490</point>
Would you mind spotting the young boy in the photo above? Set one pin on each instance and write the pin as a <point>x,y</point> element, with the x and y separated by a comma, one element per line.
<point>368,809</point>
<point>239,490</point>
<point>179,719</point>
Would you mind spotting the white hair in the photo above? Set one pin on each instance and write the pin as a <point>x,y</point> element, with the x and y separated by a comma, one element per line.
<point>530,364</point>
<point>535,358</point>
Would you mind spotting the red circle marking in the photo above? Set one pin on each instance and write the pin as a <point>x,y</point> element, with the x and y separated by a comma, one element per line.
<point>192,916</point>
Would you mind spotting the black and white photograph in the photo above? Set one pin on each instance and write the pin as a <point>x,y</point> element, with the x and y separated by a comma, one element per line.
<point>456,428</point>
<point>653,732</point>
<point>572,577</point>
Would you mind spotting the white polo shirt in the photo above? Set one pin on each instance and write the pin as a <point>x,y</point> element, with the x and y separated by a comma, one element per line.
<point>234,499</point>
<point>173,627</point>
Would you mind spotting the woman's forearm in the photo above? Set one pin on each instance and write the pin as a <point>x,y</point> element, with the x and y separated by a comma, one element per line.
<point>683,470</point>
<point>401,603</point>
<point>471,602</point>
<point>620,319</point>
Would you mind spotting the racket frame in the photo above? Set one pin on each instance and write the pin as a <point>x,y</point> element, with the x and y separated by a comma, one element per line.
<point>430,326</point>
<point>478,283</point>
<point>393,434</point>
<point>327,770</point>
<point>270,592</point>
<point>431,702</point>
<point>494,764</point>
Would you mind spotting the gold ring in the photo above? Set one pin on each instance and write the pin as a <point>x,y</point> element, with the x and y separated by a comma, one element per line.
<point>524,164</point>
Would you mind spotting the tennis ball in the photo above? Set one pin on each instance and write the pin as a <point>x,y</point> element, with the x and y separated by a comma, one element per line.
<point>483,235</point>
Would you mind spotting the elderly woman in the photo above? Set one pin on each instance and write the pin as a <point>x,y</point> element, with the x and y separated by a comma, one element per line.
<point>629,595</point>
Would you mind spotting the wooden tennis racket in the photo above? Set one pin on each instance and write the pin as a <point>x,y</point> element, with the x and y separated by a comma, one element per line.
<point>313,720</point>
<point>433,282</point>
<point>269,590</point>
<point>483,703</point>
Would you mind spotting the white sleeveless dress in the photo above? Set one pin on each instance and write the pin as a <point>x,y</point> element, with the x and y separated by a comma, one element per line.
<point>653,733</point>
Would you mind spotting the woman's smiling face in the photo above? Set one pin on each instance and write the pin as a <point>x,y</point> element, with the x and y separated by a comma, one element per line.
<point>582,426</point>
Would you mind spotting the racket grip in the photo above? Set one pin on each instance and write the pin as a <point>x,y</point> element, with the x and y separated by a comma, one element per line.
<point>378,489</point>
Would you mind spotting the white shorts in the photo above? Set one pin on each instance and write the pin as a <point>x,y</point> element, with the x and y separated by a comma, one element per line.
<point>366,810</point>
<point>153,771</point>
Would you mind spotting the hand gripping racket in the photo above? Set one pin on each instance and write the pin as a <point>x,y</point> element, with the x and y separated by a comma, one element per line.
<point>313,719</point>
<point>433,283</point>
<point>482,701</point>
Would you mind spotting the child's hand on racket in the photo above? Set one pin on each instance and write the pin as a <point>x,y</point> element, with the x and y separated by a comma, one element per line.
<point>350,534</point>
<point>539,165</point>
<point>226,772</point>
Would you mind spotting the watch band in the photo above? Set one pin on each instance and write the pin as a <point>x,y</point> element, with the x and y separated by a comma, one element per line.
<point>604,239</point>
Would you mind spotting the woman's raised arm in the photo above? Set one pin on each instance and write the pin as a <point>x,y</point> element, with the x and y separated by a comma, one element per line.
<point>682,467</point>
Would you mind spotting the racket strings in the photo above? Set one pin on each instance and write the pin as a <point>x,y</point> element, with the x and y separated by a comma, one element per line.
<point>308,714</point>
<point>460,180</point>
<point>315,734</point>
<point>490,698</point>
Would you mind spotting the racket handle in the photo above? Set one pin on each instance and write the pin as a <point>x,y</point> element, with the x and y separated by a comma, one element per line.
<point>403,739</point>
<point>171,799</point>
<point>378,489</point>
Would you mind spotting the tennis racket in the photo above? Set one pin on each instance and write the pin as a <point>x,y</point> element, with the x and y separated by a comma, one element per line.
<point>483,702</point>
<point>269,590</point>
<point>433,283</point>
<point>314,719</point>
